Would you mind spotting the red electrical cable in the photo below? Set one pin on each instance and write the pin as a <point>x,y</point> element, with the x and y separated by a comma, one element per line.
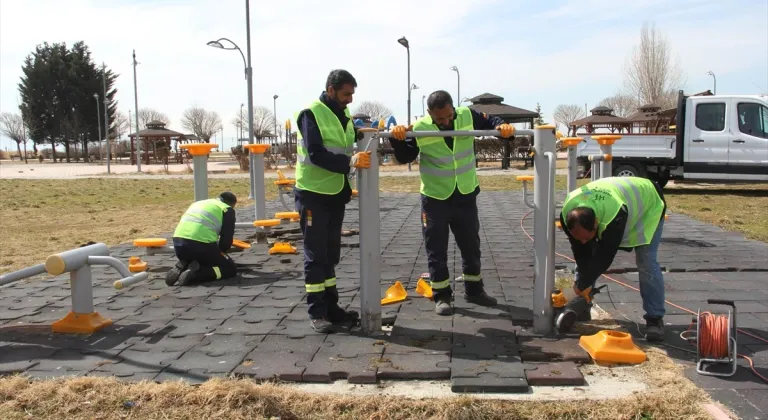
<point>716,338</point>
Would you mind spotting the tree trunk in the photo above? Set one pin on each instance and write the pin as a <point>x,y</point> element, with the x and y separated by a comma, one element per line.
<point>18,147</point>
<point>66,151</point>
<point>85,150</point>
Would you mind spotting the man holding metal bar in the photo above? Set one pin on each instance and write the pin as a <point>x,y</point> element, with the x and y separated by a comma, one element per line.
<point>326,137</point>
<point>449,189</point>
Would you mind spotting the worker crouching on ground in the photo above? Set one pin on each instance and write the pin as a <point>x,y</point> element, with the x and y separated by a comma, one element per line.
<point>201,240</point>
<point>449,189</point>
<point>615,213</point>
<point>324,149</point>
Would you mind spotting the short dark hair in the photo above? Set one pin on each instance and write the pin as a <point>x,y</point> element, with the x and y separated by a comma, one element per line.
<point>439,99</point>
<point>228,198</point>
<point>583,216</point>
<point>339,78</point>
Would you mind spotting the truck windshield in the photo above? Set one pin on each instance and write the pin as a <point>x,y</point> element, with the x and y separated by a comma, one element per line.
<point>753,119</point>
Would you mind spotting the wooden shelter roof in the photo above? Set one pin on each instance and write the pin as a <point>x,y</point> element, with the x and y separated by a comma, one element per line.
<point>491,104</point>
<point>156,129</point>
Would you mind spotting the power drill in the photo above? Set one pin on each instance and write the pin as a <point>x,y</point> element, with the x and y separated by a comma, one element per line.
<point>577,309</point>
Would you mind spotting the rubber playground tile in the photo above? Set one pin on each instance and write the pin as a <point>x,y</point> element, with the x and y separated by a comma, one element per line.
<point>157,311</point>
<point>266,300</point>
<point>242,290</point>
<point>167,343</point>
<point>191,376</point>
<point>217,343</point>
<point>414,365</point>
<point>75,361</point>
<point>328,366</point>
<point>284,365</point>
<point>181,327</point>
<point>252,313</point>
<point>176,301</point>
<point>148,360</point>
<point>225,302</point>
<point>403,344</point>
<point>488,383</point>
<point>208,314</point>
<point>251,327</point>
<point>554,374</point>
<point>343,345</point>
<point>209,362</point>
<point>544,349</point>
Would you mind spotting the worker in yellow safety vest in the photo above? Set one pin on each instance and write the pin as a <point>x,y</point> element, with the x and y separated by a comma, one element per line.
<point>619,213</point>
<point>449,189</point>
<point>201,240</point>
<point>324,149</point>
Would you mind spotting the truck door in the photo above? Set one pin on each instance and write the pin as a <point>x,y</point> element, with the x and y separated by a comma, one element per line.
<point>707,139</point>
<point>748,150</point>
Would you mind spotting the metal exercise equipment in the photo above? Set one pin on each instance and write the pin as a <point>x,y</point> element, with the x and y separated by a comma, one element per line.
<point>601,164</point>
<point>77,262</point>
<point>200,152</point>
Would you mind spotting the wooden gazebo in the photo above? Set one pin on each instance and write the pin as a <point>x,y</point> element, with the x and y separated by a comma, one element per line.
<point>602,117</point>
<point>155,142</point>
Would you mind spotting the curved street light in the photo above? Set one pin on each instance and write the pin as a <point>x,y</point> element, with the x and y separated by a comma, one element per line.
<point>714,90</point>
<point>458,81</point>
<point>218,44</point>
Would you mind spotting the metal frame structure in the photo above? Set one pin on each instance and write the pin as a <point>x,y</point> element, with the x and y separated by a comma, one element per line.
<point>702,361</point>
<point>77,262</point>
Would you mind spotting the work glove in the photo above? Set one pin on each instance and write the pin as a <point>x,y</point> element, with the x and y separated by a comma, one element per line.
<point>507,130</point>
<point>399,131</point>
<point>360,160</point>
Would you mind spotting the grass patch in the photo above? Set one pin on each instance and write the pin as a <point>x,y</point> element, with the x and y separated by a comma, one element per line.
<point>670,396</point>
<point>41,217</point>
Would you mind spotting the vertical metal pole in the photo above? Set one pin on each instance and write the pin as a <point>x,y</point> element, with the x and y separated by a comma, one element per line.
<point>605,164</point>
<point>572,168</point>
<point>200,173</point>
<point>136,105</point>
<point>408,50</point>
<point>98,118</point>
<point>594,170</point>
<point>543,230</point>
<point>106,113</point>
<point>82,290</point>
<point>370,253</point>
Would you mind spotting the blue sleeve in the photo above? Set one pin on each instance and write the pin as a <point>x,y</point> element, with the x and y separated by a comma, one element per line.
<point>318,154</point>
<point>405,151</point>
<point>484,121</point>
<point>227,230</point>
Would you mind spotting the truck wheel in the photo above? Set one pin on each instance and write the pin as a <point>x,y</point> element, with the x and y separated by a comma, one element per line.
<point>628,170</point>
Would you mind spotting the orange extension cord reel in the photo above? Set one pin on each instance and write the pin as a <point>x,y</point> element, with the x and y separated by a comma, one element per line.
<point>715,340</point>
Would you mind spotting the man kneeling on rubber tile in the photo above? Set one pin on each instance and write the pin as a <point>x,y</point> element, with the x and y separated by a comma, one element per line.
<point>615,213</point>
<point>201,239</point>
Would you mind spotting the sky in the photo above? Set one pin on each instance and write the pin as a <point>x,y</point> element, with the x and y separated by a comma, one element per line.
<point>549,52</point>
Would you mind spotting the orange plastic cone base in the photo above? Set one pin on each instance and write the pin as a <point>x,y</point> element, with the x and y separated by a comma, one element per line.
<point>395,293</point>
<point>74,323</point>
<point>240,244</point>
<point>612,347</point>
<point>136,265</point>
<point>282,248</point>
<point>423,288</point>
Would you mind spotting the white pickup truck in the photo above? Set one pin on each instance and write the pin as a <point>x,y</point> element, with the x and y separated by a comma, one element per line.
<point>721,138</point>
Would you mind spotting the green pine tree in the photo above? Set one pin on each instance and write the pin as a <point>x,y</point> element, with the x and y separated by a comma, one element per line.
<point>540,119</point>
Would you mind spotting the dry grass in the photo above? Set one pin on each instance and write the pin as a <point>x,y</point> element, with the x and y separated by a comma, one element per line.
<point>41,217</point>
<point>736,208</point>
<point>670,396</point>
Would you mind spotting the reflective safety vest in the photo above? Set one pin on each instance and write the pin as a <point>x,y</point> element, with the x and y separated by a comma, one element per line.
<point>606,197</point>
<point>202,221</point>
<point>336,139</point>
<point>441,168</point>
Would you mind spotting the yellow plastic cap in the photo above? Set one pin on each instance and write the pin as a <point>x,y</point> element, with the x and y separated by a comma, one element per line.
<point>606,139</point>
<point>55,265</point>
<point>199,149</point>
<point>150,242</point>
<point>240,244</point>
<point>571,141</point>
<point>287,215</point>
<point>524,177</point>
<point>609,346</point>
<point>546,126</point>
<point>267,223</point>
<point>258,149</point>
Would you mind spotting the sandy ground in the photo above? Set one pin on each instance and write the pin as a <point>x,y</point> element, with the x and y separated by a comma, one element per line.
<point>18,170</point>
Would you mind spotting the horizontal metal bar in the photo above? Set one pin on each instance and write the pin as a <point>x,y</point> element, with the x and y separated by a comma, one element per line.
<point>110,261</point>
<point>130,280</point>
<point>453,133</point>
<point>22,274</point>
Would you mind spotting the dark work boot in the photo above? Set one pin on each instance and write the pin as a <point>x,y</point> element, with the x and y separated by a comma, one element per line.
<point>189,275</point>
<point>337,315</point>
<point>654,331</point>
<point>475,293</point>
<point>321,325</point>
<point>172,276</point>
<point>443,305</point>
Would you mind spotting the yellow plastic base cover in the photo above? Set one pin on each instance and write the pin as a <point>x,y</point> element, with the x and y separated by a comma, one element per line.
<point>267,222</point>
<point>612,347</point>
<point>395,293</point>
<point>74,323</point>
<point>150,242</point>
<point>558,299</point>
<point>282,248</point>
<point>136,265</point>
<point>287,215</point>
<point>240,244</point>
<point>423,288</point>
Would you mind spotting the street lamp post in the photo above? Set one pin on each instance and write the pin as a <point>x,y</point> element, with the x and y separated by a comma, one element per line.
<point>714,91</point>
<point>98,118</point>
<point>458,83</point>
<point>423,98</point>
<point>106,115</point>
<point>274,111</point>
<point>241,121</point>
<point>404,42</point>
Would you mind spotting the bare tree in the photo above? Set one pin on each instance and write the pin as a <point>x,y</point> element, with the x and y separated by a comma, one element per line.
<point>263,122</point>
<point>566,114</point>
<point>12,126</point>
<point>240,122</point>
<point>622,104</point>
<point>375,110</point>
<point>651,74</point>
<point>205,124</point>
<point>122,125</point>
<point>148,114</point>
